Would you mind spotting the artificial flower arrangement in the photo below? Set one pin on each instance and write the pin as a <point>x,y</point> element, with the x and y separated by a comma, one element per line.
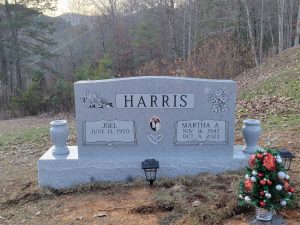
<point>266,184</point>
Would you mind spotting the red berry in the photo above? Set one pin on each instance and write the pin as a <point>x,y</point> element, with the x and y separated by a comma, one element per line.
<point>262,182</point>
<point>260,174</point>
<point>292,190</point>
<point>262,193</point>
<point>262,204</point>
<point>269,182</point>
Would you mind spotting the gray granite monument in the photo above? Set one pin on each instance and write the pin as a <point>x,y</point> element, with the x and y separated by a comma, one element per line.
<point>186,124</point>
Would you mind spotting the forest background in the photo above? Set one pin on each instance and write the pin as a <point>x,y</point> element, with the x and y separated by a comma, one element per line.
<point>41,55</point>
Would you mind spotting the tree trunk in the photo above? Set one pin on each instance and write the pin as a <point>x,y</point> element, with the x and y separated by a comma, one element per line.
<point>252,41</point>
<point>171,22</point>
<point>3,71</point>
<point>195,32</point>
<point>190,34</point>
<point>72,58</point>
<point>272,36</point>
<point>239,34</point>
<point>280,25</point>
<point>183,36</point>
<point>15,42</point>
<point>261,32</point>
<point>297,36</point>
<point>290,23</point>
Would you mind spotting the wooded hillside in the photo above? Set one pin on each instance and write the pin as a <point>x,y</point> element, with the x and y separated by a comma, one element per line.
<point>42,56</point>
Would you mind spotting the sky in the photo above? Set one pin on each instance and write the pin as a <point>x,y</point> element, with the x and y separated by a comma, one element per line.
<point>78,6</point>
<point>62,7</point>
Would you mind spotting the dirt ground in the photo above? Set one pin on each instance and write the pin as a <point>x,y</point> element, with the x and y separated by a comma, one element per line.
<point>23,202</point>
<point>102,207</point>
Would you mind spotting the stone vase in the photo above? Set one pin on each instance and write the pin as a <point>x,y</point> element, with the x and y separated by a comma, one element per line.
<point>263,214</point>
<point>59,132</point>
<point>251,132</point>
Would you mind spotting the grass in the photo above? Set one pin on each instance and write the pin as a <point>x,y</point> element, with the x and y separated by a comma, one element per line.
<point>165,200</point>
<point>29,134</point>
<point>285,111</point>
<point>285,84</point>
<point>276,122</point>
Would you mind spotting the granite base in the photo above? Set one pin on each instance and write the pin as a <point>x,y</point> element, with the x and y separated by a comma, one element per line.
<point>64,171</point>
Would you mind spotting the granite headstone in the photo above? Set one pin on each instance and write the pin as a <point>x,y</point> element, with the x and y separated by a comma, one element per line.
<point>186,124</point>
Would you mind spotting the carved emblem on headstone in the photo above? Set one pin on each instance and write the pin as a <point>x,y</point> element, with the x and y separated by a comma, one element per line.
<point>155,138</point>
<point>91,100</point>
<point>218,100</point>
<point>155,125</point>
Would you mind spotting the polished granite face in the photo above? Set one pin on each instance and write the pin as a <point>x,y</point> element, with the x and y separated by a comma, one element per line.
<point>155,116</point>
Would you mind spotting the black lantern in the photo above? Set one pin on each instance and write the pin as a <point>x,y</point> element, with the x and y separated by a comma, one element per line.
<point>150,167</point>
<point>287,157</point>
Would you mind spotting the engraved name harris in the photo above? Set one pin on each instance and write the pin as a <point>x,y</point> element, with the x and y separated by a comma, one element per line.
<point>155,100</point>
<point>218,100</point>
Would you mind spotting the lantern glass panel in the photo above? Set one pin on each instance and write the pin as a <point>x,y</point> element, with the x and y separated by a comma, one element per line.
<point>287,163</point>
<point>150,167</point>
<point>150,174</point>
<point>287,157</point>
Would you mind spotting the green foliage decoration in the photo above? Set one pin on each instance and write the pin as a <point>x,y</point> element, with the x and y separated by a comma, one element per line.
<point>266,184</point>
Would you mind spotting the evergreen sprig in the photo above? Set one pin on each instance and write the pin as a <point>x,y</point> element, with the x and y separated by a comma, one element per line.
<point>266,182</point>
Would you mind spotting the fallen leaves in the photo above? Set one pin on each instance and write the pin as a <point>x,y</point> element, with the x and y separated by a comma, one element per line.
<point>271,67</point>
<point>262,108</point>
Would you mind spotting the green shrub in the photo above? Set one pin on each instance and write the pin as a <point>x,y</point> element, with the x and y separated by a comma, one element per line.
<point>102,70</point>
<point>164,200</point>
<point>62,96</point>
<point>84,72</point>
<point>30,101</point>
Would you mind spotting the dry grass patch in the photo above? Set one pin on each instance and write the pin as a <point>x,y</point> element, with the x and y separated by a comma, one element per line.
<point>201,199</point>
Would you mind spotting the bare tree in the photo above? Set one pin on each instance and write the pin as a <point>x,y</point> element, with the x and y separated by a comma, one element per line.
<point>190,34</point>
<point>170,11</point>
<point>280,25</point>
<point>290,14</point>
<point>183,33</point>
<point>261,32</point>
<point>3,64</point>
<point>251,35</point>
<point>195,31</point>
<point>272,36</point>
<point>297,36</point>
